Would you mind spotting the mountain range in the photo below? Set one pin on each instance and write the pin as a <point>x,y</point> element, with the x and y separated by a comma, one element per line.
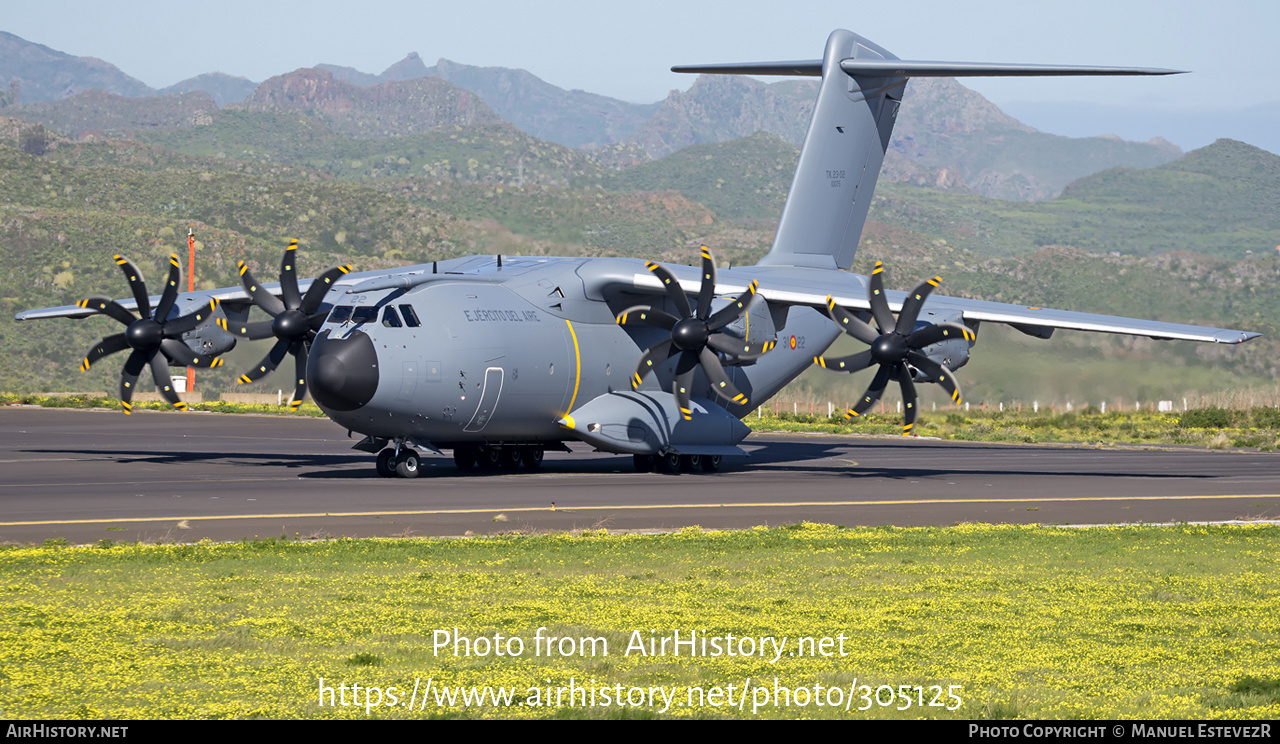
<point>947,135</point>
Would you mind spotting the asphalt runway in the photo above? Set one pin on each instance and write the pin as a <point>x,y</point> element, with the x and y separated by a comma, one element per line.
<point>90,475</point>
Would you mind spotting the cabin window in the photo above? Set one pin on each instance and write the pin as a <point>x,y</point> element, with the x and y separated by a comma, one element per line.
<point>364,315</point>
<point>410,317</point>
<point>390,318</point>
<point>340,314</point>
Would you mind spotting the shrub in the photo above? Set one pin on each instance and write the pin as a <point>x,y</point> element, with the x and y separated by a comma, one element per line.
<point>1205,418</point>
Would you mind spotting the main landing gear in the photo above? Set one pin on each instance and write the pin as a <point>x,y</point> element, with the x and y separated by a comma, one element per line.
<point>492,458</point>
<point>672,462</point>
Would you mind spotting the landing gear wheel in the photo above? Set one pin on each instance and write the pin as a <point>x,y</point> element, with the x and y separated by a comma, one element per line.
<point>509,457</point>
<point>386,463</point>
<point>690,463</point>
<point>710,463</point>
<point>668,463</point>
<point>644,463</point>
<point>464,457</point>
<point>407,464</point>
<point>531,457</point>
<point>489,458</point>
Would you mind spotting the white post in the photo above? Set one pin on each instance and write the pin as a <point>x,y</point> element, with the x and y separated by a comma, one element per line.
<point>1068,406</point>
<point>1035,406</point>
<point>1001,405</point>
<point>279,397</point>
<point>830,409</point>
<point>1104,406</point>
<point>966,406</point>
<point>899,406</point>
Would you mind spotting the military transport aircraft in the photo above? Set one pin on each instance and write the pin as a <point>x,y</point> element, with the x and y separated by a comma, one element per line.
<point>501,358</point>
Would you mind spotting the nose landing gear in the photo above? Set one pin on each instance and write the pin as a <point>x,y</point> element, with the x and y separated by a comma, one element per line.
<point>401,462</point>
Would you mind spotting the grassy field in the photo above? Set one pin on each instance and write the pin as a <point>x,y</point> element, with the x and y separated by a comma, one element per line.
<point>981,621</point>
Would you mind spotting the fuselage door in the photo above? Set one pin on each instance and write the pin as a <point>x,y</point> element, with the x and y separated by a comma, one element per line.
<point>488,399</point>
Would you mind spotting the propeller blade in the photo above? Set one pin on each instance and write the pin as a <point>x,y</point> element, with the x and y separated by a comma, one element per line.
<point>191,320</point>
<point>930,335</point>
<point>672,286</point>
<point>681,386</point>
<point>911,308</point>
<point>320,287</point>
<point>269,303</point>
<point>708,288</point>
<point>104,347</point>
<point>136,285</point>
<point>938,372</point>
<point>289,277</point>
<point>170,294</point>
<point>731,312</point>
<point>874,391</point>
<point>737,348</point>
<point>879,303</point>
<point>654,355</point>
<point>179,352</point>
<point>108,306</point>
<point>852,363</point>
<point>850,323</point>
<point>908,399</point>
<point>164,383</point>
<point>299,352</point>
<point>268,363</point>
<point>129,378</point>
<point>255,331</point>
<point>647,316</point>
<point>720,383</point>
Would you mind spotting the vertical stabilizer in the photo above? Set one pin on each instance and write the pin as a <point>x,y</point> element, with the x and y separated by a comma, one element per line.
<point>840,160</point>
<point>862,85</point>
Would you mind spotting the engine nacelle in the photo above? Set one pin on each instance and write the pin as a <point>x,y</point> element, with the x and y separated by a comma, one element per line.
<point>208,339</point>
<point>953,353</point>
<point>760,323</point>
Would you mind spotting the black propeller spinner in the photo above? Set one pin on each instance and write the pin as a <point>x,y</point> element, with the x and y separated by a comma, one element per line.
<point>154,337</point>
<point>295,319</point>
<point>894,346</point>
<point>695,337</point>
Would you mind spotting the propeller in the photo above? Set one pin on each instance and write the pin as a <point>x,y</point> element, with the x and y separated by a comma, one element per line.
<point>154,337</point>
<point>695,338</point>
<point>895,346</point>
<point>295,320</point>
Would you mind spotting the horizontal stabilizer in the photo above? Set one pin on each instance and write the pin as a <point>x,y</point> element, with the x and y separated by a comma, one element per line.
<point>915,68</point>
<point>798,68</point>
<point>905,68</point>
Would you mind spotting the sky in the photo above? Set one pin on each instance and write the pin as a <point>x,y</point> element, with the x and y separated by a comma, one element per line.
<point>624,50</point>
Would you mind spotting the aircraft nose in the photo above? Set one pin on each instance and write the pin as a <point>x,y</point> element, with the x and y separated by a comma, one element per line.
<point>342,372</point>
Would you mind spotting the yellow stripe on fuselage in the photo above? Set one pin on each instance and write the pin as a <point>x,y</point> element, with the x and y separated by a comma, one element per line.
<point>577,361</point>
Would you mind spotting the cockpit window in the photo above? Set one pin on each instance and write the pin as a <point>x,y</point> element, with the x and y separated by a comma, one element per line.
<point>340,314</point>
<point>389,318</point>
<point>410,317</point>
<point>368,314</point>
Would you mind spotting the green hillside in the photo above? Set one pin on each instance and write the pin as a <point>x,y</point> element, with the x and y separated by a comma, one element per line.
<point>745,179</point>
<point>489,153</point>
<point>62,215</point>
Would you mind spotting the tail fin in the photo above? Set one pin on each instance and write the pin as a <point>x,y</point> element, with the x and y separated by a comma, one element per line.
<point>862,86</point>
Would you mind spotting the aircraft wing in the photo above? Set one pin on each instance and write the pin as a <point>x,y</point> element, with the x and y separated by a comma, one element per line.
<point>791,286</point>
<point>232,296</point>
